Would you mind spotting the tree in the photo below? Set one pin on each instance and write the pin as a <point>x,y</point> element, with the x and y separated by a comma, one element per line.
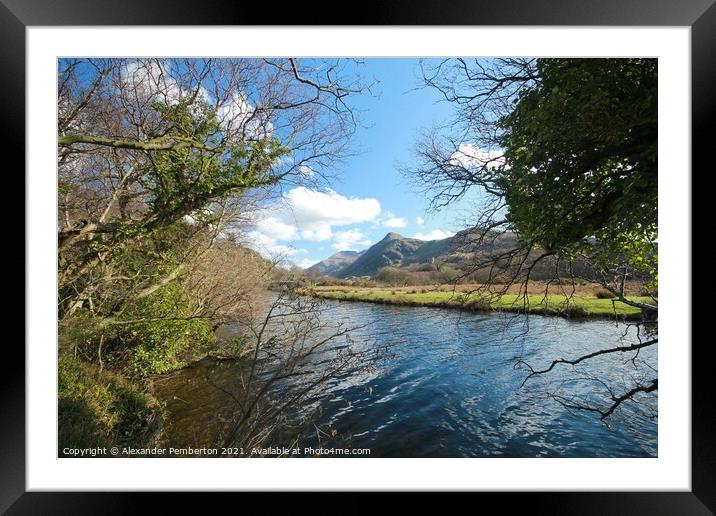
<point>279,374</point>
<point>582,152</point>
<point>152,145</point>
<point>563,153</point>
<point>161,163</point>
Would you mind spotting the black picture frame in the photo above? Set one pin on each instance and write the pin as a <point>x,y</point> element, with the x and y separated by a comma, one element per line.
<point>700,15</point>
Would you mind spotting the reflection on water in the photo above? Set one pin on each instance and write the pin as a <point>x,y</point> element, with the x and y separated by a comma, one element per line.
<point>445,384</point>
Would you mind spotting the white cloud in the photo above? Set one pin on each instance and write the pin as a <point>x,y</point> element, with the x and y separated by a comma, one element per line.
<point>305,214</point>
<point>352,235</point>
<point>306,263</point>
<point>350,240</point>
<point>435,234</point>
<point>317,234</point>
<point>312,206</point>
<point>268,246</point>
<point>235,111</point>
<point>150,80</point>
<point>389,219</point>
<point>237,116</point>
<point>306,172</point>
<point>275,229</point>
<point>419,221</point>
<point>314,213</point>
<point>395,222</point>
<point>469,156</point>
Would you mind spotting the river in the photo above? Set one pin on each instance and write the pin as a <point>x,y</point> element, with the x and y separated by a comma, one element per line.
<point>444,383</point>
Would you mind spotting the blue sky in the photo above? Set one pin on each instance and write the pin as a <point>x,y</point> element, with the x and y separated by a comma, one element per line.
<point>368,196</point>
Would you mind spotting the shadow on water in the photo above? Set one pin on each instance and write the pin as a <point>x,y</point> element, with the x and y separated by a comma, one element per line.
<point>447,386</point>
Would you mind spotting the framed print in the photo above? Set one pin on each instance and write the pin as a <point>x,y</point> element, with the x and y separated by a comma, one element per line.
<point>425,247</point>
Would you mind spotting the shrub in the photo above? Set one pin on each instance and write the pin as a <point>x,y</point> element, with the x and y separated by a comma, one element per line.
<point>479,304</point>
<point>574,311</point>
<point>603,294</point>
<point>163,343</point>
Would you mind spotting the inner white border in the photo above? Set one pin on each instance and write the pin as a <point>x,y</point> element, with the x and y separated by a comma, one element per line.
<point>671,470</point>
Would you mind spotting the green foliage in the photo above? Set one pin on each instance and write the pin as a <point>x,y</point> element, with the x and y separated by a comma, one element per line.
<point>582,154</point>
<point>99,408</point>
<point>161,345</point>
<point>186,178</point>
<point>154,335</point>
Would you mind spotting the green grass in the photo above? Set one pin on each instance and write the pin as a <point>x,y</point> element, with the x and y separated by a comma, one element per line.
<point>555,304</point>
<point>101,409</point>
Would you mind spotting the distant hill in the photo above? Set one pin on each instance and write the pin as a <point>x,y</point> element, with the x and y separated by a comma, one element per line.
<point>421,259</point>
<point>334,264</point>
<point>394,249</point>
<point>398,251</point>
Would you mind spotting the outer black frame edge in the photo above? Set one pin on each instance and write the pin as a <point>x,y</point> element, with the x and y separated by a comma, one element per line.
<point>15,15</point>
<point>12,379</point>
<point>703,110</point>
<point>372,12</point>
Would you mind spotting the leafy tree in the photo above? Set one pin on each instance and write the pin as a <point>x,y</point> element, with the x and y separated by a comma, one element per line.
<point>581,160</point>
<point>161,164</point>
<point>160,161</point>
<point>561,153</point>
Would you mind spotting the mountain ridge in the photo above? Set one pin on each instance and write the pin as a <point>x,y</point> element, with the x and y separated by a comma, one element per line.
<point>392,250</point>
<point>334,263</point>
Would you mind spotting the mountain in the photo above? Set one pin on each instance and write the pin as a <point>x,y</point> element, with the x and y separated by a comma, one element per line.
<point>392,250</point>
<point>334,264</point>
<point>398,251</point>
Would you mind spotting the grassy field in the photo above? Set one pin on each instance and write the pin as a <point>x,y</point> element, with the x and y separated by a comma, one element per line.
<point>583,303</point>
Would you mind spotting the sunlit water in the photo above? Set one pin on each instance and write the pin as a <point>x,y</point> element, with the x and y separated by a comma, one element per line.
<point>443,383</point>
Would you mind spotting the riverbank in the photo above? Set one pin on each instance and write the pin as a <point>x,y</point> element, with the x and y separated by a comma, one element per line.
<point>583,303</point>
<point>100,409</point>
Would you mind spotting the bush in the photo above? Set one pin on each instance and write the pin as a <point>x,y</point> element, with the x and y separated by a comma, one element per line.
<point>479,304</point>
<point>603,294</point>
<point>164,346</point>
<point>99,408</point>
<point>574,311</point>
<point>153,347</point>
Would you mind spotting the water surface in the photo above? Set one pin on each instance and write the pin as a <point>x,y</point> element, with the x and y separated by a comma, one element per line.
<point>443,383</point>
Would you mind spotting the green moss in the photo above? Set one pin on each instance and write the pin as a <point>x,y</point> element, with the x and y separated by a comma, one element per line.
<point>98,408</point>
